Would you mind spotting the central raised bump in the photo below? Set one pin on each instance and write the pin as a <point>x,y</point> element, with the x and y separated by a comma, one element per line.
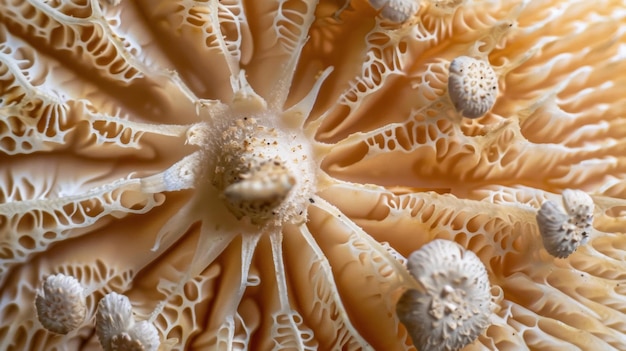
<point>263,173</point>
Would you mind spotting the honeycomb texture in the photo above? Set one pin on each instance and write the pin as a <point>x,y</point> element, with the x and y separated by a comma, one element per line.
<point>112,114</point>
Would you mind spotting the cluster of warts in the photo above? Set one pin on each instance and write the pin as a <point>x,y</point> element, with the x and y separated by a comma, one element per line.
<point>453,305</point>
<point>61,309</point>
<point>254,171</point>
<point>563,232</point>
<point>117,329</point>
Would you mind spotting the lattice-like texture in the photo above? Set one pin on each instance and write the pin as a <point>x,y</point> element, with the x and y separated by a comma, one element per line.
<point>115,117</point>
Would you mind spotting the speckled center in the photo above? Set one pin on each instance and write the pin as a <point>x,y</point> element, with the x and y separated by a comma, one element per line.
<point>263,173</point>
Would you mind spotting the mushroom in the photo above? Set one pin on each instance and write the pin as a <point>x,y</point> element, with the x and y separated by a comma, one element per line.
<point>253,174</point>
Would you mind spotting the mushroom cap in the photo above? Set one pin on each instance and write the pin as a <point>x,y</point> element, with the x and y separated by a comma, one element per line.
<point>454,306</point>
<point>61,305</point>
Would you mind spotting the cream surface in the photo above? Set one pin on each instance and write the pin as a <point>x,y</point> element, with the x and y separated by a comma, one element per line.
<point>121,166</point>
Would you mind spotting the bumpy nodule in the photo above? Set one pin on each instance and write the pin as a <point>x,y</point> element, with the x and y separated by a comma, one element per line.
<point>61,305</point>
<point>472,86</point>
<point>563,232</point>
<point>454,306</point>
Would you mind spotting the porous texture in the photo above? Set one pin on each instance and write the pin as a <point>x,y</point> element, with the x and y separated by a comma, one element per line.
<point>111,122</point>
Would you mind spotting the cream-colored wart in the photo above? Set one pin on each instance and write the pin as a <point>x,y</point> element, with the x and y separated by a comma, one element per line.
<point>472,86</point>
<point>397,11</point>
<point>563,232</point>
<point>61,305</point>
<point>453,307</point>
<point>117,330</point>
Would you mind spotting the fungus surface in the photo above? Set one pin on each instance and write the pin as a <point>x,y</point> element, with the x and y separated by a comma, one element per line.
<point>254,174</point>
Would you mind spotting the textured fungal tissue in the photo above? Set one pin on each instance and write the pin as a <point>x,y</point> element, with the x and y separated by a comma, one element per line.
<point>252,175</point>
